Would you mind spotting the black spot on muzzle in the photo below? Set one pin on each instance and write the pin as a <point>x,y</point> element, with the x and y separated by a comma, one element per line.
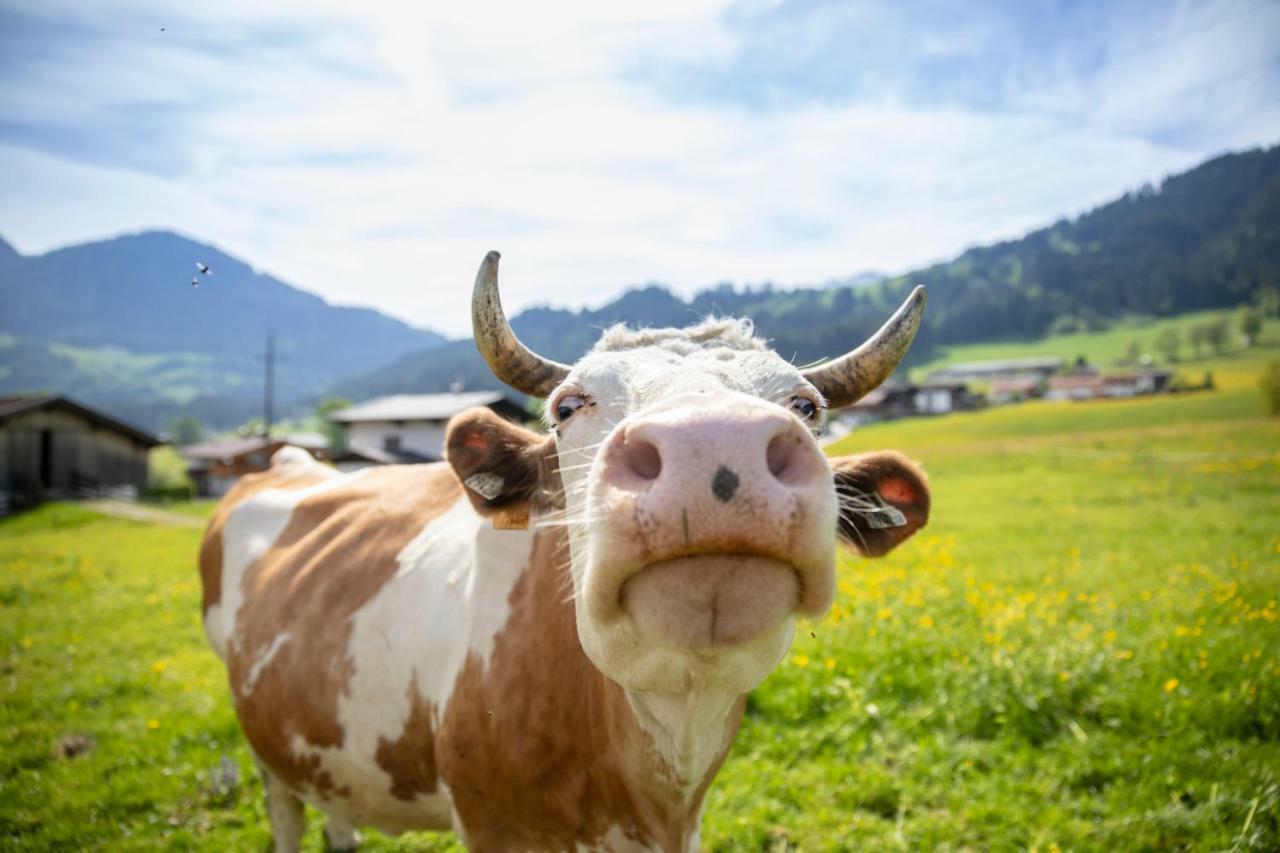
<point>724,484</point>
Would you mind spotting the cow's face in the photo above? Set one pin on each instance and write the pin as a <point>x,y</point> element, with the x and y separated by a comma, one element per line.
<point>701,512</point>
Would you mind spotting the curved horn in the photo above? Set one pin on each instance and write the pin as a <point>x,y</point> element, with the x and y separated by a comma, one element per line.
<point>511,361</point>
<point>845,380</point>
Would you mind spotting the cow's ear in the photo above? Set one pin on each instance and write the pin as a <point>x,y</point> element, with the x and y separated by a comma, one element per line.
<point>507,471</point>
<point>884,498</point>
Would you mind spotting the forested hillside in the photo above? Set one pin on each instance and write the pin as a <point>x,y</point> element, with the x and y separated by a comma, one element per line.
<point>1207,238</point>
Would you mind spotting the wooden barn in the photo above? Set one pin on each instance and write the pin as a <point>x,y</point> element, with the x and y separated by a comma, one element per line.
<point>52,448</point>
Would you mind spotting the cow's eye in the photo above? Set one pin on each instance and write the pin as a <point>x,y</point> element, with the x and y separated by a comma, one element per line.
<point>567,405</point>
<point>805,408</point>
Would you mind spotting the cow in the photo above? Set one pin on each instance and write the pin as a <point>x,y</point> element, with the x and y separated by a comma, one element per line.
<point>545,641</point>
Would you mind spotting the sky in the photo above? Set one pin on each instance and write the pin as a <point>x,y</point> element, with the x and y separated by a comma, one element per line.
<point>374,156</point>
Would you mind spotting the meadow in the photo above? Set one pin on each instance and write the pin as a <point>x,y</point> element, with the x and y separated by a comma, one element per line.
<point>1079,652</point>
<point>1107,347</point>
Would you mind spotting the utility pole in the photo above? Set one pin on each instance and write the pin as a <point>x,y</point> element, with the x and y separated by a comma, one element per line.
<point>268,388</point>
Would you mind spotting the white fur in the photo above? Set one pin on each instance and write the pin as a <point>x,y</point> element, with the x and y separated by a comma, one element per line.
<point>251,680</point>
<point>446,603</point>
<point>616,840</point>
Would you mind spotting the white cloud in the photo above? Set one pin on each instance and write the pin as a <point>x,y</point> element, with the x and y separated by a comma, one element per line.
<point>374,159</point>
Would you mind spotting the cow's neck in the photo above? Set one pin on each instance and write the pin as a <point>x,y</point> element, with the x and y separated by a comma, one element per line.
<point>690,731</point>
<point>637,763</point>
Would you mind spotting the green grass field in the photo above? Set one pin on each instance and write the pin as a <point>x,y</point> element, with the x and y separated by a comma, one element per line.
<point>1079,652</point>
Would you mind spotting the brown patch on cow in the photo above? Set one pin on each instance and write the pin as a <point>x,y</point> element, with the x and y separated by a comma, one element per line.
<point>896,480</point>
<point>339,548</point>
<point>210,561</point>
<point>540,750</point>
<point>410,760</point>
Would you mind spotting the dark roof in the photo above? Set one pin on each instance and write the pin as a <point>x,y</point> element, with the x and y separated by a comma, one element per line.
<point>1007,365</point>
<point>225,448</point>
<point>1015,383</point>
<point>379,456</point>
<point>10,406</point>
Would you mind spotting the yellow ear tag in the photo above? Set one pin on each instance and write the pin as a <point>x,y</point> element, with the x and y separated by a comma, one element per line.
<point>512,518</point>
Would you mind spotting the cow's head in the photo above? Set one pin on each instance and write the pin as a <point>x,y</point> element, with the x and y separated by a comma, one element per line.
<point>701,511</point>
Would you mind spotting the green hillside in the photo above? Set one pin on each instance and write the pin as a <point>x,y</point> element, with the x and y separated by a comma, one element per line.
<point>1111,347</point>
<point>117,323</point>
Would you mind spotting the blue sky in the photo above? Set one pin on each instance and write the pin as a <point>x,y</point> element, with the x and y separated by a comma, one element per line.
<point>374,156</point>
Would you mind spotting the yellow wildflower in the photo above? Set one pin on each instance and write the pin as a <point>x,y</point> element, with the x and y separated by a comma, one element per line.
<point>1171,685</point>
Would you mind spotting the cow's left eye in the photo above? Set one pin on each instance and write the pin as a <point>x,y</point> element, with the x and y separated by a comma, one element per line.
<point>805,408</point>
<point>567,405</point>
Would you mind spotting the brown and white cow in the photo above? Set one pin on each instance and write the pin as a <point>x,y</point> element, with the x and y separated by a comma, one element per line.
<point>545,642</point>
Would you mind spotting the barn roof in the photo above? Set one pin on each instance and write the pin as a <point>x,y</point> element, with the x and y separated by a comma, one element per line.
<point>10,406</point>
<point>226,448</point>
<point>421,407</point>
<point>380,456</point>
<point>1008,365</point>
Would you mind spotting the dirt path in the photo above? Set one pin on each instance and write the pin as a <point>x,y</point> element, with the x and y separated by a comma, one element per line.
<point>140,512</point>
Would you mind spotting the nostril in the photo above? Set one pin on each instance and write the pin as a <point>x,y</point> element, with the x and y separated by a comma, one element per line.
<point>642,458</point>
<point>781,451</point>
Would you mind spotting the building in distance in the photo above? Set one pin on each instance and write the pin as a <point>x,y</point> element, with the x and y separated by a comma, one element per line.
<point>52,447</point>
<point>407,428</point>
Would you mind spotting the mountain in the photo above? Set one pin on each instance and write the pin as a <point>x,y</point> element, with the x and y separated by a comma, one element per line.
<point>1208,238</point>
<point>117,323</point>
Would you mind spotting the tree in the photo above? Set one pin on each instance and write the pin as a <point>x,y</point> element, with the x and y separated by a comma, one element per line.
<point>1197,335</point>
<point>1216,332</point>
<point>184,431</point>
<point>1250,324</point>
<point>1268,301</point>
<point>1270,385</point>
<point>1168,343</point>
<point>1133,353</point>
<point>333,432</point>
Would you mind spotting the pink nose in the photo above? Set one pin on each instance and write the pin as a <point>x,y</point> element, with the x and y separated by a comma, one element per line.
<point>709,461</point>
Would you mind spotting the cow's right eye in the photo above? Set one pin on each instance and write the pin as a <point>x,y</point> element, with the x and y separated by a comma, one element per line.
<point>567,405</point>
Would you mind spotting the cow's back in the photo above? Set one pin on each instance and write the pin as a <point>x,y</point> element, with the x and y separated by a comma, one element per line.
<point>346,605</point>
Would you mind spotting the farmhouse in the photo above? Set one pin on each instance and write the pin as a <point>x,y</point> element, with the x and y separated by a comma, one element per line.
<point>1091,386</point>
<point>54,447</point>
<point>1016,389</point>
<point>410,427</point>
<point>1137,383</point>
<point>214,466</point>
<point>908,399</point>
<point>943,396</point>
